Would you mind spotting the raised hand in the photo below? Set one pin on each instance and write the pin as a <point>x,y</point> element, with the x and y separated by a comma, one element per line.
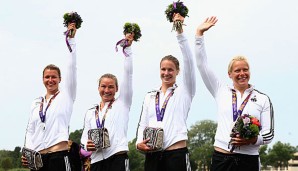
<point>178,22</point>
<point>178,17</point>
<point>206,25</point>
<point>129,37</point>
<point>72,27</point>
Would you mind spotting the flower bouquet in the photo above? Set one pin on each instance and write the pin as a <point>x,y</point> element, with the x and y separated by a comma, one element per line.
<point>129,28</point>
<point>245,126</point>
<point>176,7</point>
<point>71,17</point>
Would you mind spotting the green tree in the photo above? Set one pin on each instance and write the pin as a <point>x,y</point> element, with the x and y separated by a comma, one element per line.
<point>280,154</point>
<point>201,138</point>
<point>6,163</point>
<point>264,156</point>
<point>16,155</point>
<point>136,159</point>
<point>76,136</point>
<point>4,153</point>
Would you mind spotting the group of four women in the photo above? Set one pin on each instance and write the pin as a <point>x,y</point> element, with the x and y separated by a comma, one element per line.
<point>166,107</point>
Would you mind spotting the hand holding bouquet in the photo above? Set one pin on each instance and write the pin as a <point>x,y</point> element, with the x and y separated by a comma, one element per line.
<point>176,7</point>
<point>246,126</point>
<point>71,19</point>
<point>132,32</point>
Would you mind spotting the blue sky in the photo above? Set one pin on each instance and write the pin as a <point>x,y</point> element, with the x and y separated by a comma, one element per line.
<point>31,37</point>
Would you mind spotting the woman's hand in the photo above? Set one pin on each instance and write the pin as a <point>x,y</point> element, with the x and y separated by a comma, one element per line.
<point>24,161</point>
<point>178,17</point>
<point>237,141</point>
<point>72,27</point>
<point>129,37</point>
<point>90,146</point>
<point>206,25</point>
<point>142,145</point>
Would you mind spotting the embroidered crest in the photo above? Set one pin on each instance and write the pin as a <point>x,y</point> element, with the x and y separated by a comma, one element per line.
<point>254,99</point>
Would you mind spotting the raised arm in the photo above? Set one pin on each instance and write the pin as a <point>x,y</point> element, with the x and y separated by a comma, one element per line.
<point>207,74</point>
<point>126,85</point>
<point>189,78</point>
<point>71,67</point>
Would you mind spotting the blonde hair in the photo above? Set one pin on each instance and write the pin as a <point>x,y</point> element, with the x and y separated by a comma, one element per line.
<point>237,58</point>
<point>108,75</point>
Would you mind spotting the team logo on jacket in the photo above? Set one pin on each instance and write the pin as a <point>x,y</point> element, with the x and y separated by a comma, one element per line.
<point>254,99</point>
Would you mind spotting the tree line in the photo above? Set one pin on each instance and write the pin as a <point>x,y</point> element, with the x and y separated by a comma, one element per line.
<point>200,144</point>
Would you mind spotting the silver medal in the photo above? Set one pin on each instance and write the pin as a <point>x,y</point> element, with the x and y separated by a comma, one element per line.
<point>43,126</point>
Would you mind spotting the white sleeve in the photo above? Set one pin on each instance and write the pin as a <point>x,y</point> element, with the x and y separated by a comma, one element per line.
<point>267,123</point>
<point>143,122</point>
<point>30,130</point>
<point>28,136</point>
<point>189,77</point>
<point>86,128</point>
<point>71,71</point>
<point>126,85</point>
<point>209,78</point>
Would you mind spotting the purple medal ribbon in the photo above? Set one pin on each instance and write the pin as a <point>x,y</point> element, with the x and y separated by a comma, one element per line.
<point>160,113</point>
<point>104,116</point>
<point>41,114</point>
<point>124,44</point>
<point>234,105</point>
<point>97,118</point>
<point>67,43</point>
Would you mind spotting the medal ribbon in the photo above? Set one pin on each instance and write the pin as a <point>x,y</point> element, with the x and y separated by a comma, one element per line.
<point>125,44</point>
<point>66,40</point>
<point>234,105</point>
<point>104,116</point>
<point>160,113</point>
<point>41,114</point>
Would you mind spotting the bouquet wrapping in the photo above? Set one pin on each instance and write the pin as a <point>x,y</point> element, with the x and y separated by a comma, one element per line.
<point>33,158</point>
<point>176,7</point>
<point>133,29</point>
<point>100,137</point>
<point>245,126</point>
<point>72,17</point>
<point>156,138</point>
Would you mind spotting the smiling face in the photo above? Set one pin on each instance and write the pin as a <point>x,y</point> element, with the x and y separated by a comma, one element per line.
<point>107,89</point>
<point>168,72</point>
<point>240,74</point>
<point>51,80</point>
